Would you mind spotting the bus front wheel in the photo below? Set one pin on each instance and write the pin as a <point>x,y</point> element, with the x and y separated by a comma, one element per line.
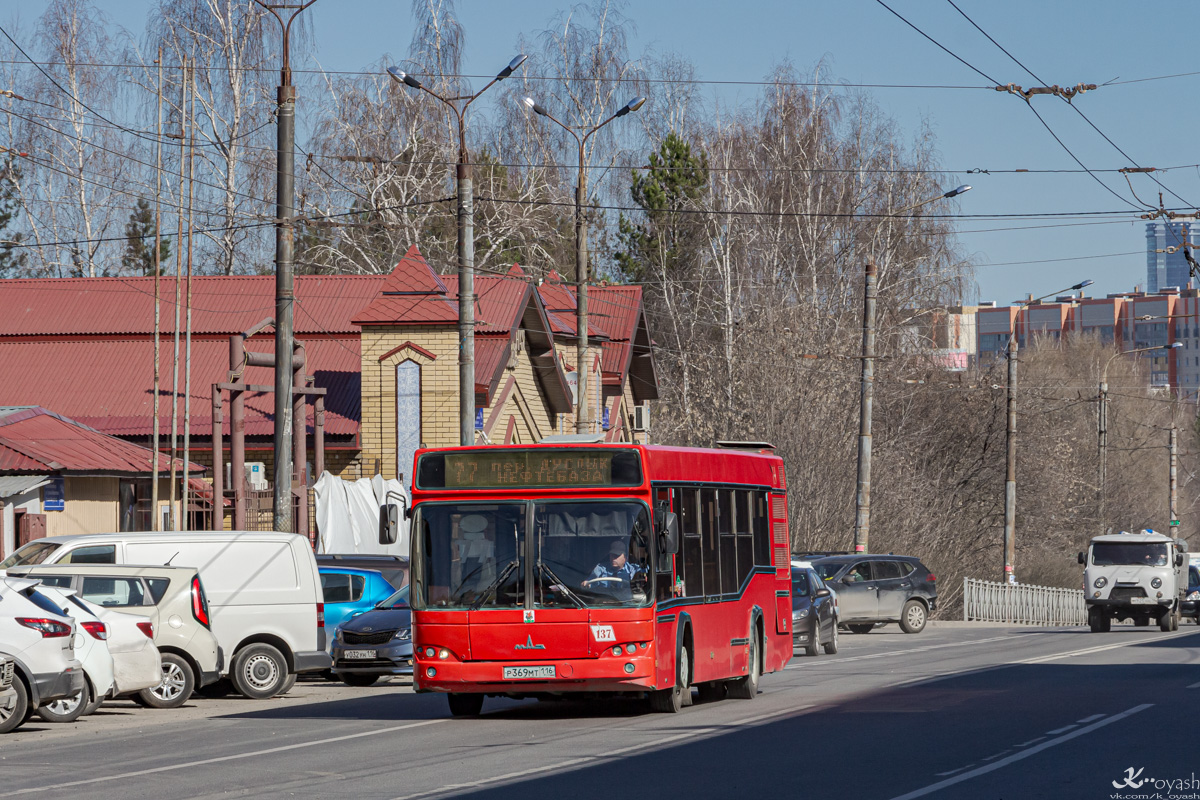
<point>465,705</point>
<point>672,700</point>
<point>746,688</point>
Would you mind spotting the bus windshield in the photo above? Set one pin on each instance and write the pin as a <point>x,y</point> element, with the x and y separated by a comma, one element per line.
<point>592,554</point>
<point>471,555</point>
<point>1149,554</point>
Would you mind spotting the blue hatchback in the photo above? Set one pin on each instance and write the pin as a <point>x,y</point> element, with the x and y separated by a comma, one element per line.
<point>349,592</point>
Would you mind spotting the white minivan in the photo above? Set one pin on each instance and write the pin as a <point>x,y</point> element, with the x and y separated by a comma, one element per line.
<point>263,590</point>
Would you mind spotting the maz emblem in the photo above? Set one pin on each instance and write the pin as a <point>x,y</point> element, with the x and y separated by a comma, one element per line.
<point>529,645</point>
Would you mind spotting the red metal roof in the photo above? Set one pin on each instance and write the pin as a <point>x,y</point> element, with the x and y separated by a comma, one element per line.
<point>220,305</point>
<point>38,440</point>
<point>108,383</point>
<point>491,357</point>
<point>412,294</point>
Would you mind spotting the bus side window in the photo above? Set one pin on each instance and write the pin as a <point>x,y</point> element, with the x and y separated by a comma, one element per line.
<point>762,531</point>
<point>744,523</point>
<point>692,561</point>
<point>729,570</point>
<point>710,542</point>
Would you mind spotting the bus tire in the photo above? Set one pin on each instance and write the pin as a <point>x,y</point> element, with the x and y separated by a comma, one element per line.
<point>671,701</point>
<point>465,705</point>
<point>746,688</point>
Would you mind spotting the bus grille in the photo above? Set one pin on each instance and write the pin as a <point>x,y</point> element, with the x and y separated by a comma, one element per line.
<point>375,637</point>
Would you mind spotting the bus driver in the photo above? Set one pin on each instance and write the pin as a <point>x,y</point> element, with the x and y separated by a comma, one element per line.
<point>614,574</point>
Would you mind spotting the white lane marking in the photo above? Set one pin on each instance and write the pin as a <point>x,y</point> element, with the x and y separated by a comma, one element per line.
<point>933,787</point>
<point>1038,739</point>
<point>1001,753</point>
<point>951,772</point>
<point>218,760</point>
<point>1057,731</point>
<point>1101,648</point>
<point>642,747</point>
<point>796,664</point>
<point>1092,718</point>
<point>1194,686</point>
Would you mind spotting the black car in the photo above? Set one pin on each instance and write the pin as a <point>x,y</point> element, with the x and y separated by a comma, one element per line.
<point>814,612</point>
<point>1190,607</point>
<point>375,643</point>
<point>394,569</point>
<point>880,588</point>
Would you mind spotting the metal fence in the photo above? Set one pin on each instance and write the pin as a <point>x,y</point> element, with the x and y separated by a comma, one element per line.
<point>1020,604</point>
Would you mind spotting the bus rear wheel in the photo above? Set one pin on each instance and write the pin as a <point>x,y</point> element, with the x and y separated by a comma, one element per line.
<point>746,688</point>
<point>465,705</point>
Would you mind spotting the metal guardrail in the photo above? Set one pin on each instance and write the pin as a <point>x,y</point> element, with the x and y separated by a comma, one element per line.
<point>1021,604</point>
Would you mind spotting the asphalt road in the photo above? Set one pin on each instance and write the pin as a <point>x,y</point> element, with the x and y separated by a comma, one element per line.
<point>955,712</point>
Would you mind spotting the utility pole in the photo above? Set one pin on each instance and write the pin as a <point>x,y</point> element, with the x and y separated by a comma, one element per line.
<point>172,514</point>
<point>155,517</point>
<point>1172,479</point>
<point>582,405</point>
<point>466,246</point>
<point>1010,470</point>
<point>862,500</point>
<point>187,359</point>
<point>285,292</point>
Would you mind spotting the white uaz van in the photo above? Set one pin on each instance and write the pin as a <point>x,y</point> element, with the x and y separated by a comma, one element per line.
<point>264,593</point>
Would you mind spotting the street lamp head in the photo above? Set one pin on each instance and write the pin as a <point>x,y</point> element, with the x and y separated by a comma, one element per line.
<point>400,76</point>
<point>1082,285</point>
<point>632,105</point>
<point>512,67</point>
<point>1172,345</point>
<point>537,108</point>
<point>957,191</point>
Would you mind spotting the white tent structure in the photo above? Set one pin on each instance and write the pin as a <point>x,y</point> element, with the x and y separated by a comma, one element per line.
<point>348,514</point>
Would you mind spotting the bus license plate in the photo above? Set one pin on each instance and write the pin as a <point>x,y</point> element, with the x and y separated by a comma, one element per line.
<point>525,673</point>
<point>359,654</point>
<point>1142,601</point>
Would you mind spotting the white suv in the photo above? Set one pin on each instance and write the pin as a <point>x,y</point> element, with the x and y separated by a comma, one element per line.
<point>40,641</point>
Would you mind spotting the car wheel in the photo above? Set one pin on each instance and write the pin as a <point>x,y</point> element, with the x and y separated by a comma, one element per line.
<point>465,705</point>
<point>358,679</point>
<point>747,688</point>
<point>12,714</point>
<point>861,628</point>
<point>913,617</point>
<point>215,690</point>
<point>671,701</point>
<point>176,687</point>
<point>259,671</point>
<point>288,683</point>
<point>95,703</point>
<point>67,709</point>
<point>813,648</point>
<point>1164,621</point>
<point>831,645</point>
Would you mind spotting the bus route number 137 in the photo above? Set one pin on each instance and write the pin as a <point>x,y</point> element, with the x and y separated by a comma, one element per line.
<point>603,633</point>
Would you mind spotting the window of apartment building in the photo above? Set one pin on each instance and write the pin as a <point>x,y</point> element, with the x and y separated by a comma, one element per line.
<point>993,341</point>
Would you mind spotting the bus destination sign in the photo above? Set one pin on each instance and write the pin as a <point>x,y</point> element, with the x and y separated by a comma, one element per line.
<point>540,467</point>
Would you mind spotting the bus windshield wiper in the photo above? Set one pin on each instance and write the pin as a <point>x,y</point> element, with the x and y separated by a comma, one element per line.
<point>561,584</point>
<point>494,585</point>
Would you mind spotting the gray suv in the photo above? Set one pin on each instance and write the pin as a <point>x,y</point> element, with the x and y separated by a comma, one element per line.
<point>874,589</point>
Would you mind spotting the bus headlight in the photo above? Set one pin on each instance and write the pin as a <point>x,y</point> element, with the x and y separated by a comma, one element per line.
<point>431,672</point>
<point>1100,582</point>
<point>1156,583</point>
<point>631,649</point>
<point>443,654</point>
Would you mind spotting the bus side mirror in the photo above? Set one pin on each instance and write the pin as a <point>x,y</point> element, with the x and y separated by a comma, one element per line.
<point>389,523</point>
<point>1082,558</point>
<point>668,534</point>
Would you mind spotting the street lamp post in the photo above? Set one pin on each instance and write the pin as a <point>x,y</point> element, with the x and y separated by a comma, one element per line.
<point>1102,426</point>
<point>581,251</point>
<point>1010,461</point>
<point>466,245</point>
<point>862,494</point>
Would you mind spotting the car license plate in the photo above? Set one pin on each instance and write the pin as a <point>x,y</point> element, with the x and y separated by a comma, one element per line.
<point>359,654</point>
<point>1142,601</point>
<point>525,673</point>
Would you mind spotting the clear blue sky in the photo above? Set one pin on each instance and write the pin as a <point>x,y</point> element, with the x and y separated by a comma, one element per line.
<point>1064,43</point>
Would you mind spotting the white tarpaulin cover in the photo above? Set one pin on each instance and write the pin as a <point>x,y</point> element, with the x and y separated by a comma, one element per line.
<point>348,514</point>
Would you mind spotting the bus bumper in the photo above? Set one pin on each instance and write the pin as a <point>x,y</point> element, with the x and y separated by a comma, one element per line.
<point>608,673</point>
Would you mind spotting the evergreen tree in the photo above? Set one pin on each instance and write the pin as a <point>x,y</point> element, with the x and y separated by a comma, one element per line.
<point>138,257</point>
<point>12,255</point>
<point>675,180</point>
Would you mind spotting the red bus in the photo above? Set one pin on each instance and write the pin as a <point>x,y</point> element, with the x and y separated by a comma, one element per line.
<point>560,568</point>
